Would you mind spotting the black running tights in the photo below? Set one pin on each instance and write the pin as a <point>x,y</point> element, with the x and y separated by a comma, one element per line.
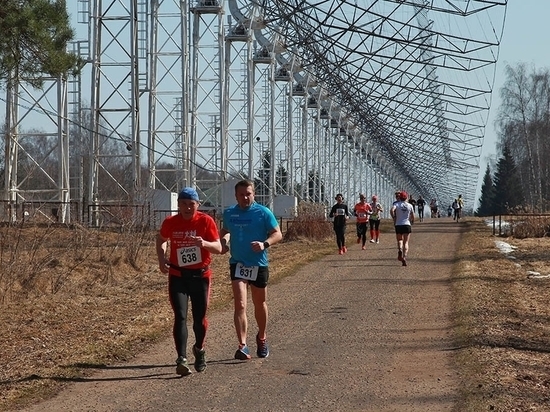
<point>180,291</point>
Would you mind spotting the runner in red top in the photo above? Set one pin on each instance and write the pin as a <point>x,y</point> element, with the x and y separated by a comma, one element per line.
<point>362,210</point>
<point>193,236</point>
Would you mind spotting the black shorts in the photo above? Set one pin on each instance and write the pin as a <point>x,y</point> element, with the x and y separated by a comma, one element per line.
<point>261,279</point>
<point>403,229</point>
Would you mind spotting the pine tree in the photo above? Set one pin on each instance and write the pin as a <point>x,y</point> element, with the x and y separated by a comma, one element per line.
<point>34,40</point>
<point>508,193</point>
<point>487,195</point>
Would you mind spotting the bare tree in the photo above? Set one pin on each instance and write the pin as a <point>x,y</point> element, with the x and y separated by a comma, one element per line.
<point>524,126</point>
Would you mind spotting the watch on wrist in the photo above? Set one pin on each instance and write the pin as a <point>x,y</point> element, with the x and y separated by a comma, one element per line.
<point>266,244</point>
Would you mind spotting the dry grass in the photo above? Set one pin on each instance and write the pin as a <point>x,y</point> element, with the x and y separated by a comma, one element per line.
<point>503,321</point>
<point>89,299</point>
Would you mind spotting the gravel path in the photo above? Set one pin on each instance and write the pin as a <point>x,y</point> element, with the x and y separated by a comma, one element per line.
<point>357,332</point>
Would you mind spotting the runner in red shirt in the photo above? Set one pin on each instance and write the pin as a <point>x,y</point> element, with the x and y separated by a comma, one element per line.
<point>362,210</point>
<point>193,236</point>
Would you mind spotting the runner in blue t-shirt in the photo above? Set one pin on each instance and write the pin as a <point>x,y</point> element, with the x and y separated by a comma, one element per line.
<point>248,230</point>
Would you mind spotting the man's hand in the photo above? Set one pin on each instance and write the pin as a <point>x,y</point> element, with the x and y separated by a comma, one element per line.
<point>164,265</point>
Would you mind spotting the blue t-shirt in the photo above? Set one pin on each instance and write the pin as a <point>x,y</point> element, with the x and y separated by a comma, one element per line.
<point>246,226</point>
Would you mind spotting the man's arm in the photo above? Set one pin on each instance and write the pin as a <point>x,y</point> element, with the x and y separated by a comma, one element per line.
<point>224,240</point>
<point>273,236</point>
<point>161,253</point>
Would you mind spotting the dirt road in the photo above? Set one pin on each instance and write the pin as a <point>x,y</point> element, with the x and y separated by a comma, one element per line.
<point>357,332</point>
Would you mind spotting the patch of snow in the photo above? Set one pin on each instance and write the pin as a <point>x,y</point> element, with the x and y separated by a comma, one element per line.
<point>504,247</point>
<point>507,248</point>
<point>536,275</point>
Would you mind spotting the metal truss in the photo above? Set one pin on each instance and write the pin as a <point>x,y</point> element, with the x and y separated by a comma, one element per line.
<point>309,98</point>
<point>36,161</point>
<point>168,131</point>
<point>415,77</point>
<point>119,41</point>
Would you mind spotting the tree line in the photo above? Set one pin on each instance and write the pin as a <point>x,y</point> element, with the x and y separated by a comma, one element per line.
<point>520,181</point>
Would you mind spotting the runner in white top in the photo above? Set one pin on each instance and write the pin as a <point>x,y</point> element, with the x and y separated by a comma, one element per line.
<point>402,213</point>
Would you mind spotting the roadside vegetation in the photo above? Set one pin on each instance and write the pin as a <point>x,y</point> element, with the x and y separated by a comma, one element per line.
<point>502,318</point>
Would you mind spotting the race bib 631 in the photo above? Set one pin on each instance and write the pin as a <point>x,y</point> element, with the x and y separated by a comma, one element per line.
<point>246,272</point>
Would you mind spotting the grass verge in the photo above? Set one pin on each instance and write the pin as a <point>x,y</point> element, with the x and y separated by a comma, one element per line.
<point>502,322</point>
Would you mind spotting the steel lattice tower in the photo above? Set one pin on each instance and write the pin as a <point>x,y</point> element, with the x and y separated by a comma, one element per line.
<point>369,96</point>
<point>22,166</point>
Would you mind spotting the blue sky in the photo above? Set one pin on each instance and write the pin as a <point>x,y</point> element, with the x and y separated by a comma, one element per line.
<point>525,40</point>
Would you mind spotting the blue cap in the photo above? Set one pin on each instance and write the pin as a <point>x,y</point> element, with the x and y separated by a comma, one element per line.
<point>188,193</point>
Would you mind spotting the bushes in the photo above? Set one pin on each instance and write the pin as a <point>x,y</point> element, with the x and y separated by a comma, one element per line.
<point>36,260</point>
<point>310,223</point>
<point>531,227</point>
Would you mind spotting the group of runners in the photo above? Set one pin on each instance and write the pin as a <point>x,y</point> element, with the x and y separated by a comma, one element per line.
<point>368,219</point>
<point>454,209</point>
<point>248,230</point>
<point>368,214</point>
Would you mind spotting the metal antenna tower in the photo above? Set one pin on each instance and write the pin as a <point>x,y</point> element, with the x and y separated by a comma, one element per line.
<point>236,140</point>
<point>36,161</point>
<point>414,74</point>
<point>118,45</point>
<point>168,120</point>
<point>207,76</point>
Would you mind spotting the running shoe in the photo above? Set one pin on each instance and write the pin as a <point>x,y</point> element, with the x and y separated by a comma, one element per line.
<point>377,241</point>
<point>404,262</point>
<point>263,347</point>
<point>200,359</point>
<point>363,248</point>
<point>400,255</point>
<point>344,249</point>
<point>341,251</point>
<point>242,353</point>
<point>372,241</point>
<point>182,367</point>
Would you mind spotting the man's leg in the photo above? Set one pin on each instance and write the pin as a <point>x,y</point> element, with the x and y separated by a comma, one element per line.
<point>259,298</point>
<point>199,305</point>
<point>179,298</point>
<point>239,315</point>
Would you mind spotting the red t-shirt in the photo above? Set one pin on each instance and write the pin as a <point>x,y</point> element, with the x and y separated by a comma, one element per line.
<point>183,252</point>
<point>361,210</point>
